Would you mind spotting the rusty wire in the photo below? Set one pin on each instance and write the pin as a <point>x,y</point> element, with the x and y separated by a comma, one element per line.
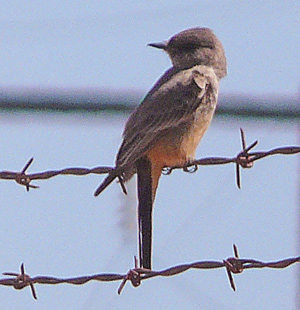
<point>233,265</point>
<point>244,159</point>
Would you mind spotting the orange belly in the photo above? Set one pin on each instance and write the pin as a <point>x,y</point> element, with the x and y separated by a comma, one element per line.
<point>178,148</point>
<point>167,154</point>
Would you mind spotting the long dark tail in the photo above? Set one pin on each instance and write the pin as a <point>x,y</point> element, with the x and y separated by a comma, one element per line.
<point>145,211</point>
<point>107,181</point>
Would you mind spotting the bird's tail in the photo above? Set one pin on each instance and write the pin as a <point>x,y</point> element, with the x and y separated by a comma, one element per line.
<point>148,177</point>
<point>145,211</point>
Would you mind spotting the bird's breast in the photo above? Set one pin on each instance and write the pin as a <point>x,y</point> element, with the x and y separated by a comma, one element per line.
<point>179,147</point>
<point>202,118</point>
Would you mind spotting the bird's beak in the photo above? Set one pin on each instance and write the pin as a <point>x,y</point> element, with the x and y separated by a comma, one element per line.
<point>160,45</point>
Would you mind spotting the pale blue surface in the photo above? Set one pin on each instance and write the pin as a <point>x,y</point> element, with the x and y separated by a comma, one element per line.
<point>102,44</point>
<point>62,230</point>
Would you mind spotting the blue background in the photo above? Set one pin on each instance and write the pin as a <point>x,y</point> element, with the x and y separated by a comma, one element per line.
<point>62,230</point>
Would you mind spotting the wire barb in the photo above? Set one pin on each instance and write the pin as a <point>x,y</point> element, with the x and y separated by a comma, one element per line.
<point>133,275</point>
<point>245,159</point>
<point>233,265</point>
<point>23,179</point>
<point>22,280</point>
<point>122,183</point>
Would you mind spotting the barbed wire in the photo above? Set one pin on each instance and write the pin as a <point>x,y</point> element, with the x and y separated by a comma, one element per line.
<point>233,265</point>
<point>244,159</point>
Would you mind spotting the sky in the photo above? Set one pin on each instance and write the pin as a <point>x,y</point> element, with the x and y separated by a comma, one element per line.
<point>62,230</point>
<point>102,44</point>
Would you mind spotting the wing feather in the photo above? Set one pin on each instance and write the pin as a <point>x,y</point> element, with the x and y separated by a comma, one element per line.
<point>170,106</point>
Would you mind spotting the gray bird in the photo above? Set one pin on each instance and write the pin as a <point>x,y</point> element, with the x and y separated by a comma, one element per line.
<point>166,128</point>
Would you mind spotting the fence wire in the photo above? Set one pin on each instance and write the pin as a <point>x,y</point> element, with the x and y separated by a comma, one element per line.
<point>244,159</point>
<point>233,265</point>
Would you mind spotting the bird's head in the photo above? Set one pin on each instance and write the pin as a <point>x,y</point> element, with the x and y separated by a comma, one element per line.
<point>195,46</point>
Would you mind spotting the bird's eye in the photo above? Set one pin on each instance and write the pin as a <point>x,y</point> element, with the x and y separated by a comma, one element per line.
<point>189,47</point>
<point>207,45</point>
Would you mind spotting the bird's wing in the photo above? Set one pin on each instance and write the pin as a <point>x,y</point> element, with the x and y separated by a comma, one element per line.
<point>170,104</point>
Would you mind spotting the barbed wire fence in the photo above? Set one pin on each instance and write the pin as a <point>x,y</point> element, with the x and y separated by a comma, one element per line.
<point>244,159</point>
<point>234,265</point>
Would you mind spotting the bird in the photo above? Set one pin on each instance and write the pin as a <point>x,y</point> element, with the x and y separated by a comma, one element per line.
<point>166,128</point>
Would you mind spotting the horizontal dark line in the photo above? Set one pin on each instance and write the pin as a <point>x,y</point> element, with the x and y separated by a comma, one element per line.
<point>62,107</point>
<point>258,113</point>
<point>230,106</point>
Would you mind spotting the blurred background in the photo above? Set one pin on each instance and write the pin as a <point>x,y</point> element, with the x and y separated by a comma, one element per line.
<point>71,72</point>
